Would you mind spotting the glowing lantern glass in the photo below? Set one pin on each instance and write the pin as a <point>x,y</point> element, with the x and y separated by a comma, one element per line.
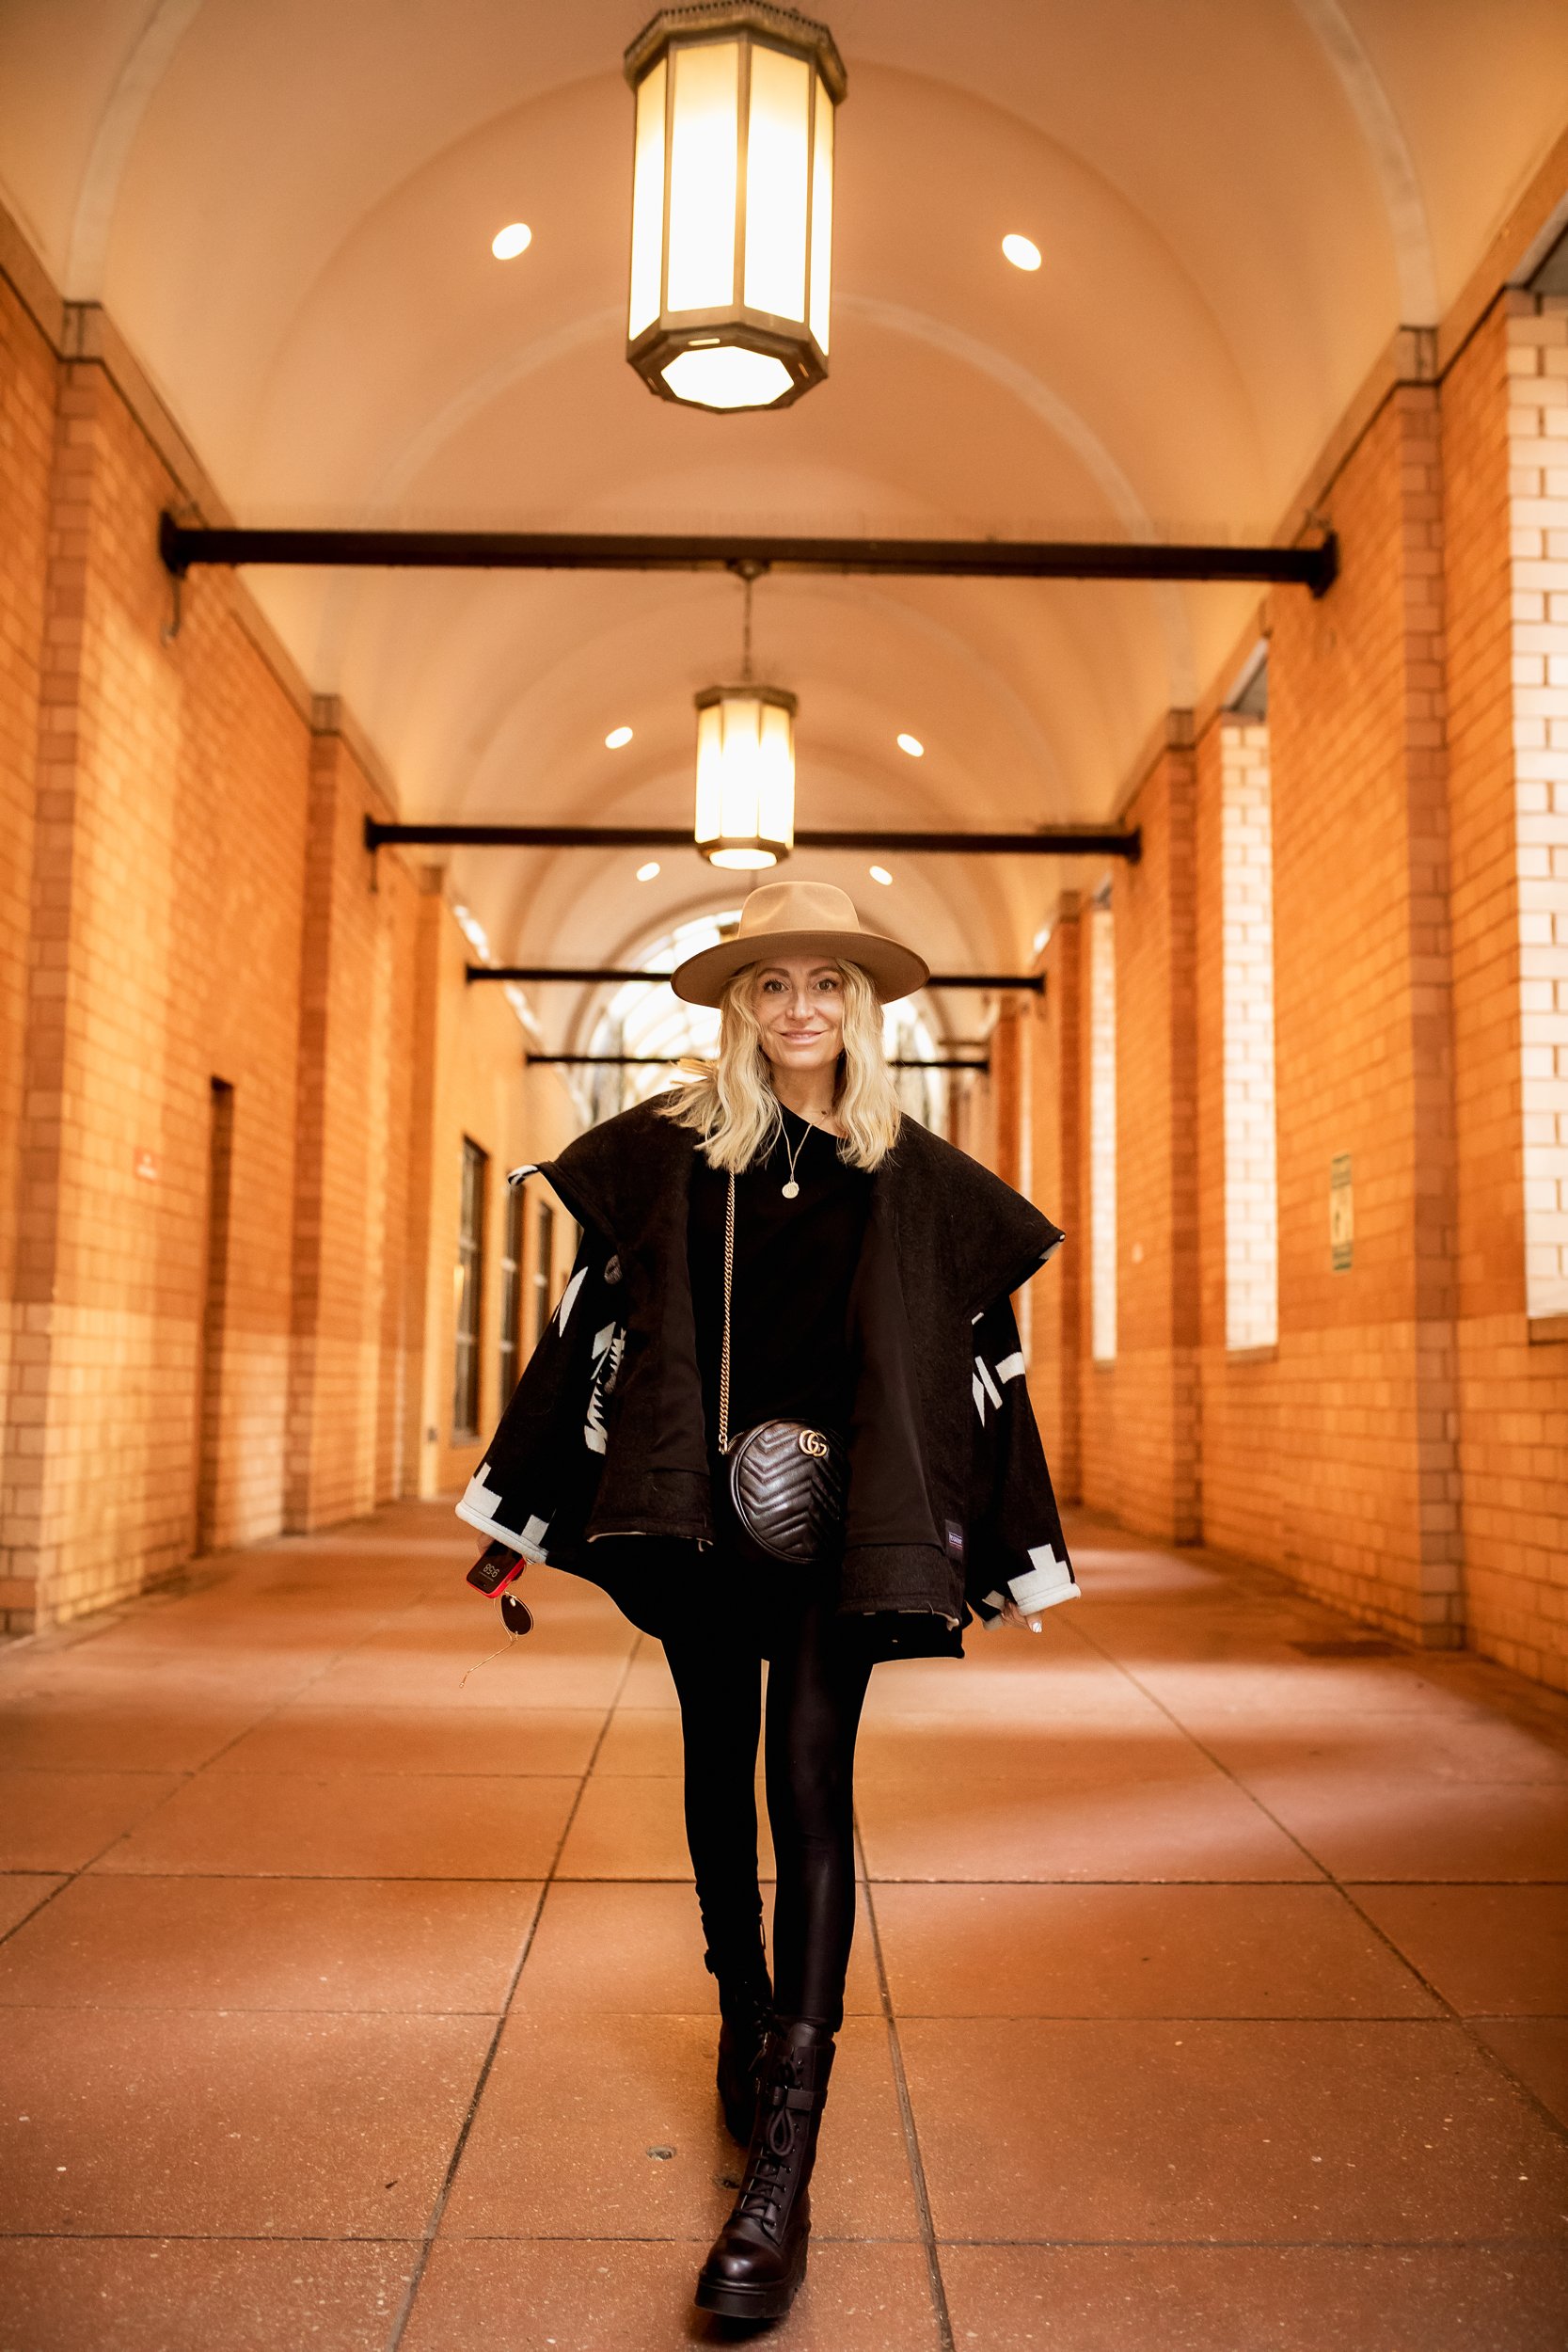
<point>745,775</point>
<point>732,210</point>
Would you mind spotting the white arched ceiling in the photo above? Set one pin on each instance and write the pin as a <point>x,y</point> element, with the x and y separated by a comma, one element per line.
<point>139,75</point>
<point>288,210</point>
<point>1384,134</point>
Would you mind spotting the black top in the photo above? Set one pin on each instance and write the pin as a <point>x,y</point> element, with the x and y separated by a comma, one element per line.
<point>794,1264</point>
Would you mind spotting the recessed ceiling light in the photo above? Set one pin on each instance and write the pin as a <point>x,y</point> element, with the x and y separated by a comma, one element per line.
<point>513,239</point>
<point>913,744</point>
<point>879,873</point>
<point>646,873</point>
<point>616,738</point>
<point>1022,252</point>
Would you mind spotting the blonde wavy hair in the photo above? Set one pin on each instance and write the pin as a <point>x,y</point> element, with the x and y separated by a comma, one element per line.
<point>730,1104</point>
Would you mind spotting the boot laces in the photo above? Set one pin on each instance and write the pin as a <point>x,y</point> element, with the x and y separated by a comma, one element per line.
<point>768,2175</point>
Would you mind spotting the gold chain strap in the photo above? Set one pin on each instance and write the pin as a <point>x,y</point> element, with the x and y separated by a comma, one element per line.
<point>725,1350</point>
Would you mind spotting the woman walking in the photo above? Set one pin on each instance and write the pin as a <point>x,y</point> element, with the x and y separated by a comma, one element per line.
<point>779,1413</point>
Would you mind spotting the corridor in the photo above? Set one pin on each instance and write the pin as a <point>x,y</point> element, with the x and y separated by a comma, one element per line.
<point>501,502</point>
<point>1207,1995</point>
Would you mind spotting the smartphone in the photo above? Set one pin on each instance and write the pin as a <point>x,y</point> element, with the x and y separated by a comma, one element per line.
<point>495,1568</point>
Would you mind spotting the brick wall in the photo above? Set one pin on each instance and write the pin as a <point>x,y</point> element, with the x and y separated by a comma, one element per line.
<point>26,457</point>
<point>163,944</point>
<point>348,1382</point>
<point>1401,1446</point>
<point>225,1210</point>
<point>1010,1078</point>
<point>1139,1418</point>
<point>1367,1390</point>
<point>1505,409</point>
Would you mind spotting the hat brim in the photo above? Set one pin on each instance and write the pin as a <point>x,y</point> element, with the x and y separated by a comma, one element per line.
<point>893,970</point>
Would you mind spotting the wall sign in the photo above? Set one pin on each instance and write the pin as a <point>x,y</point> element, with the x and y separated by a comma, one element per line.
<point>144,1162</point>
<point>1341,1214</point>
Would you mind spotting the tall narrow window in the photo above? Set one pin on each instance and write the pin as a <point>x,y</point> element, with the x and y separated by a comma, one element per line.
<point>214,1311</point>
<point>511,1294</point>
<point>543,1275</point>
<point>470,1287</point>
<point>1251,1184</point>
<point>1538,351</point>
<point>1103,1133</point>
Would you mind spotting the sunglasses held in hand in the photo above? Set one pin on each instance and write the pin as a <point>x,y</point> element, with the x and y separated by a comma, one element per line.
<point>498,1567</point>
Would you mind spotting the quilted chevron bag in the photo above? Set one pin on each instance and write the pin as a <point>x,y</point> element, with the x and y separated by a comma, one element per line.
<point>787,1484</point>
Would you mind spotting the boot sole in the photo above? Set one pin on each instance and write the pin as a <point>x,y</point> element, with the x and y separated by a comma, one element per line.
<point>732,2301</point>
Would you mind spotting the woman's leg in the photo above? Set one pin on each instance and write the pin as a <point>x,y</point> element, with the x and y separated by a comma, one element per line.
<point>718,1679</point>
<point>815,1688</point>
<point>674,1592</point>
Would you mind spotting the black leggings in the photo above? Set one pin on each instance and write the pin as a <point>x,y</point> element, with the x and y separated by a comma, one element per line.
<point>816,1685</point>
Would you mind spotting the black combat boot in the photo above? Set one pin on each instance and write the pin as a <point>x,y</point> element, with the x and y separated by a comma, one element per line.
<point>745,2014</point>
<point>758,2259</point>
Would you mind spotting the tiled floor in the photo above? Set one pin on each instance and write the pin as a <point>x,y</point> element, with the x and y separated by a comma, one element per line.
<point>1211,1995</point>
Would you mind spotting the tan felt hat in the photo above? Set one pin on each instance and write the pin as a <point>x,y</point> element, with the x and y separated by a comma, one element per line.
<point>797,918</point>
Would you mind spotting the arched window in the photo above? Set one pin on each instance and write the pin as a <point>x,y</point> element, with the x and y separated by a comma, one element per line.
<point>638,1019</point>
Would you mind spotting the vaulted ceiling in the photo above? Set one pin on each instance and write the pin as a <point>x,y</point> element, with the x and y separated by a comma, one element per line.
<point>288,211</point>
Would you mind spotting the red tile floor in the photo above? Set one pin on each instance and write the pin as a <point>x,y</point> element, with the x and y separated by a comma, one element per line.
<point>1211,1992</point>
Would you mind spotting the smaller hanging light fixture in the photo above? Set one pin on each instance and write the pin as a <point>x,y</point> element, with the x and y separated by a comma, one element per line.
<point>732,203</point>
<point>745,767</point>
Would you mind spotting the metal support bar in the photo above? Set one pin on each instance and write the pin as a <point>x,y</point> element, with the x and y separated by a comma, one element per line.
<point>1033,982</point>
<point>666,1062</point>
<point>180,544</point>
<point>1048,841</point>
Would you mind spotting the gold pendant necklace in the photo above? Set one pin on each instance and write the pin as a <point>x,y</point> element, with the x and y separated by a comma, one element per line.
<point>791,1190</point>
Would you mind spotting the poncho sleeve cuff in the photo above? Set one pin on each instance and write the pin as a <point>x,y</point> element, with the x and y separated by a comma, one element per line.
<point>894,1576</point>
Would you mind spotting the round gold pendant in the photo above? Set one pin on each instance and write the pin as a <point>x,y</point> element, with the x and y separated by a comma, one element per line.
<point>791,1192</point>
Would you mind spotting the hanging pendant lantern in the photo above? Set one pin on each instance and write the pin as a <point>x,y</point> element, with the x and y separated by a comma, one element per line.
<point>745,762</point>
<point>732,203</point>
<point>745,775</point>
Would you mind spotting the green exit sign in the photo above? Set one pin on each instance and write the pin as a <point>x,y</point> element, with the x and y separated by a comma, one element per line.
<point>1341,1214</point>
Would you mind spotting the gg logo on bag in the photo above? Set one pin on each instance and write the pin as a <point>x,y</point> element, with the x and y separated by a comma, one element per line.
<point>813,1443</point>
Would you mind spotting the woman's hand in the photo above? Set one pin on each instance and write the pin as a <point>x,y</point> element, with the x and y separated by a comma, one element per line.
<point>495,1568</point>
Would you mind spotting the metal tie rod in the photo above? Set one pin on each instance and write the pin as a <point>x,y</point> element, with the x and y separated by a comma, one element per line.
<point>182,543</point>
<point>1046,841</point>
<point>666,1061</point>
<point>1033,982</point>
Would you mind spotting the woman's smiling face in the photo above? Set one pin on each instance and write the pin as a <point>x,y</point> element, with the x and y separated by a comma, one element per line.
<point>798,1003</point>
